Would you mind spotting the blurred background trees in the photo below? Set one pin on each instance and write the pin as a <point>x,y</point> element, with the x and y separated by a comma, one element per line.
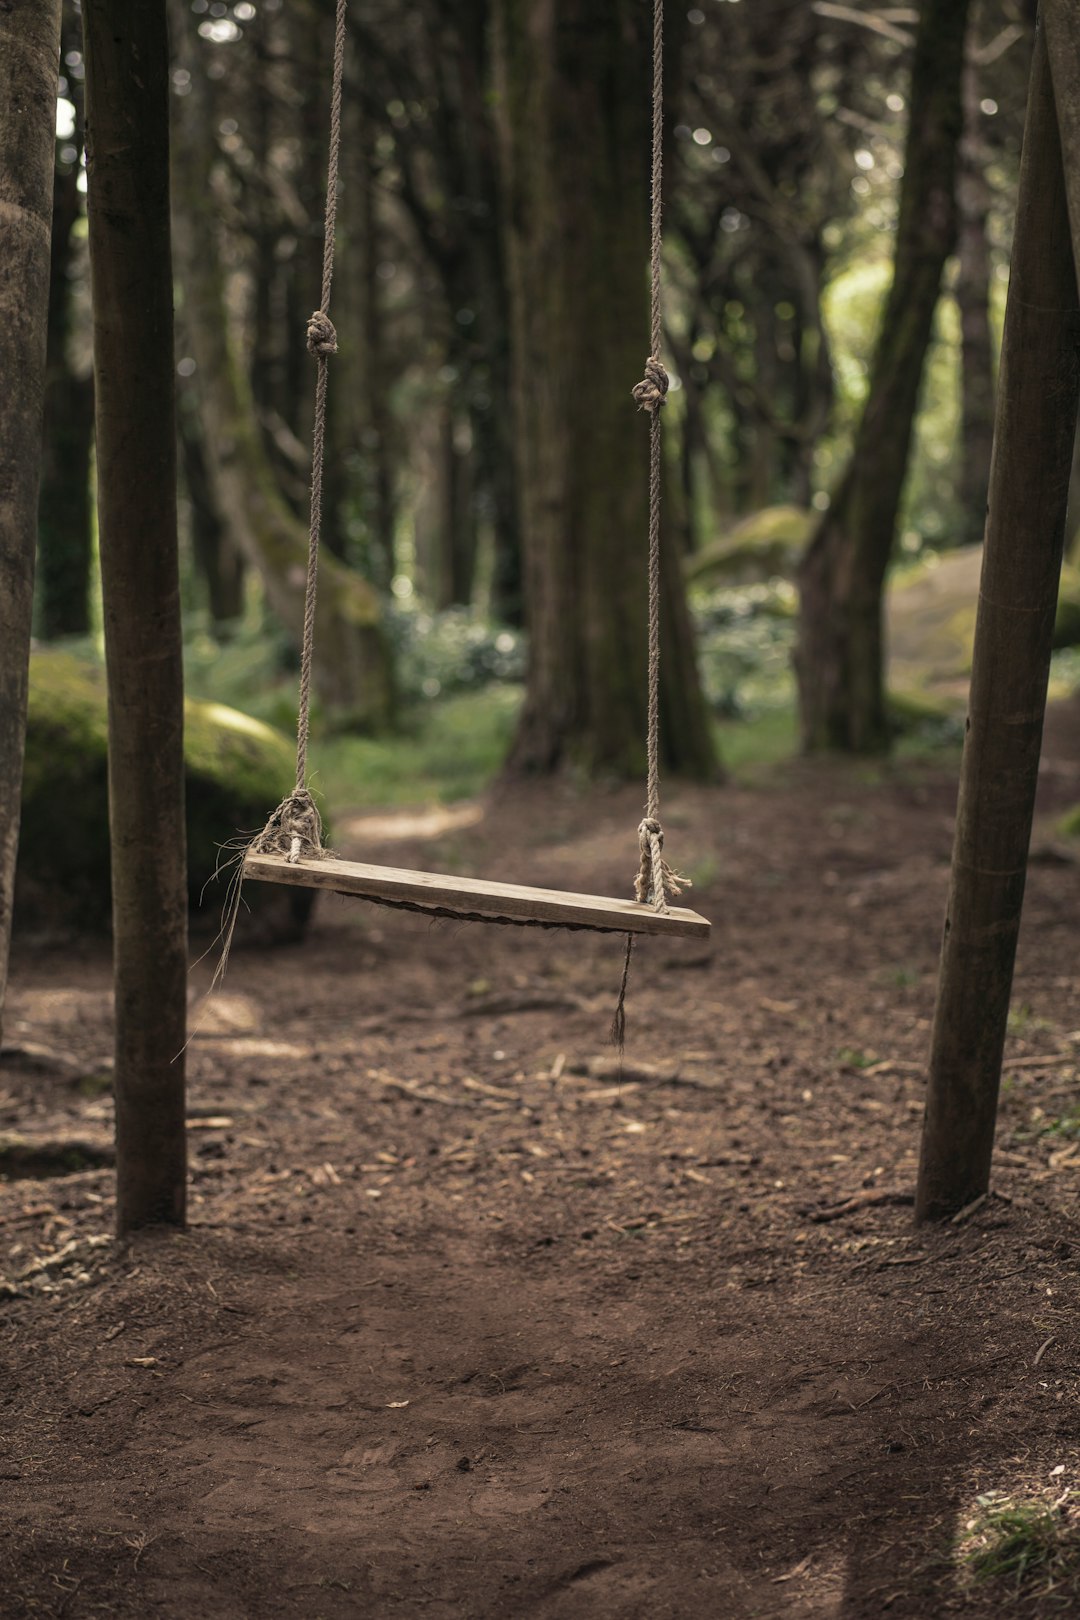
<point>485,524</point>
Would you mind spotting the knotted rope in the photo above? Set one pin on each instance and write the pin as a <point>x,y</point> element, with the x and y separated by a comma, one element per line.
<point>655,878</point>
<point>295,828</point>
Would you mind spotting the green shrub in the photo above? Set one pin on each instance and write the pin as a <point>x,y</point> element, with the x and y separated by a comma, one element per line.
<point>457,650</point>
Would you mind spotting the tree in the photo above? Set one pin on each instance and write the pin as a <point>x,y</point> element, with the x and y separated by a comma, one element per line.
<point>432,64</point>
<point>839,659</point>
<point>65,527</point>
<point>762,170</point>
<point>1033,442</point>
<point>352,665</point>
<point>572,84</point>
<point>973,198</point>
<point>127,96</point>
<point>30,49</point>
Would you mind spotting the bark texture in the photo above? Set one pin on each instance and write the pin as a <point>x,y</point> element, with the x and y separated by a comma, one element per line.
<point>65,529</point>
<point>574,135</point>
<point>29,50</point>
<point>840,654</point>
<point>973,196</point>
<point>127,101</point>
<point>1033,443</point>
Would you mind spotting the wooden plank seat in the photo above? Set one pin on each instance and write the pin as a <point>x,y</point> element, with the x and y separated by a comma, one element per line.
<point>476,899</point>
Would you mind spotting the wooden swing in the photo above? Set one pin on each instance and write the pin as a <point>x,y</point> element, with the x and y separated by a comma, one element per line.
<point>290,849</point>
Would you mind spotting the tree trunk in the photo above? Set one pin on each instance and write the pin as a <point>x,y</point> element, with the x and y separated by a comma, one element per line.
<point>839,660</point>
<point>573,104</point>
<point>127,100</point>
<point>973,198</point>
<point>455,537</point>
<point>359,506</point>
<point>30,51</point>
<point>65,529</point>
<point>1033,442</point>
<point>352,661</point>
<point>216,559</point>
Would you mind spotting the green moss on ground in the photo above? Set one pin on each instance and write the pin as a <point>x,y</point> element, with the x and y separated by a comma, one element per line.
<point>238,769</point>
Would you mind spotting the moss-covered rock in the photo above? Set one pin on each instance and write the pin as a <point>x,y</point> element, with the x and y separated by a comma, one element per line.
<point>931,612</point>
<point>237,770</point>
<point>765,545</point>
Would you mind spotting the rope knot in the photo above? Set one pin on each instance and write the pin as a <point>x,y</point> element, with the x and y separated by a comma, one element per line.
<point>321,336</point>
<point>293,830</point>
<point>651,391</point>
<point>655,879</point>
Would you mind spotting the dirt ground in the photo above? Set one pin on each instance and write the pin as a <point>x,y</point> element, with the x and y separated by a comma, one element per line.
<point>463,1327</point>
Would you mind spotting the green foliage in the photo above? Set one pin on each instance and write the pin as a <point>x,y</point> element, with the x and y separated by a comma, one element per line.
<point>924,721</point>
<point>237,770</point>
<point>448,750</point>
<point>458,650</point>
<point>1067,617</point>
<point>852,305</point>
<point>255,669</point>
<point>745,639</point>
<point>750,745</point>
<point>1066,1124</point>
<point>1030,1544</point>
<point>1023,1021</point>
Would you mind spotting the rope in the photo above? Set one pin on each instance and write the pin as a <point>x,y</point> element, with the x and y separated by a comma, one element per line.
<point>655,879</point>
<point>294,829</point>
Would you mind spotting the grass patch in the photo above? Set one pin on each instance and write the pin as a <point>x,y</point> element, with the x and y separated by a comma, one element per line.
<point>748,746</point>
<point>1029,1544</point>
<point>1022,1022</point>
<point>853,1057</point>
<point>447,750</point>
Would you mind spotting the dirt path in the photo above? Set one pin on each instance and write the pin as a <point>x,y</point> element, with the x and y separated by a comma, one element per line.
<point>465,1328</point>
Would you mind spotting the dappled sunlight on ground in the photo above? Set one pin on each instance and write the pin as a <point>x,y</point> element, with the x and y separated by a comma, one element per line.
<point>357,831</point>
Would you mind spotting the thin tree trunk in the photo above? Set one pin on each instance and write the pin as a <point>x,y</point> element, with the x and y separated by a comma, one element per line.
<point>216,559</point>
<point>455,536</point>
<point>973,198</point>
<point>1033,442</point>
<point>573,103</point>
<point>127,98</point>
<point>359,482</point>
<point>65,529</point>
<point>30,51</point>
<point>840,654</point>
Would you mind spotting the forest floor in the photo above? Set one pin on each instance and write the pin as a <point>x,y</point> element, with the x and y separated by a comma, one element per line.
<point>464,1327</point>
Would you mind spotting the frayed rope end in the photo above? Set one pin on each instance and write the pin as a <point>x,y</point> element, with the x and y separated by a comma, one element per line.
<point>293,830</point>
<point>618,1022</point>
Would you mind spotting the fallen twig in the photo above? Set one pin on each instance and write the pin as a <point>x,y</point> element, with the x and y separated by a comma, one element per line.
<point>865,1200</point>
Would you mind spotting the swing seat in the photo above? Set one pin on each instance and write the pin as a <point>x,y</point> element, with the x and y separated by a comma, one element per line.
<point>476,899</point>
